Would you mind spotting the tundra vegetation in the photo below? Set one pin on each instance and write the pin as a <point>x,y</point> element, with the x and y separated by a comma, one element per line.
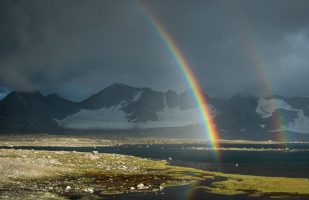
<point>31,174</point>
<point>58,174</point>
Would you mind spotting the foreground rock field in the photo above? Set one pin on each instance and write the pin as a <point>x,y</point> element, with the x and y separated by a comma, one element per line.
<point>28,174</point>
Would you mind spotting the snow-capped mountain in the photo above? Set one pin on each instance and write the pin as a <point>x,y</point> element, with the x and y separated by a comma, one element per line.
<point>122,107</point>
<point>292,114</point>
<point>264,117</point>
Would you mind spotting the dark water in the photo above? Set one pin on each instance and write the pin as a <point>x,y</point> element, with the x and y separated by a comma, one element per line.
<point>287,160</point>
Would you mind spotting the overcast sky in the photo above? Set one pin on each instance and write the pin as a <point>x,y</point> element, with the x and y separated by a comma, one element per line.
<point>75,48</point>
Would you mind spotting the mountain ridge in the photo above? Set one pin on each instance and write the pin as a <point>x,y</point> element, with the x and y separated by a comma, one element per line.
<point>124,107</point>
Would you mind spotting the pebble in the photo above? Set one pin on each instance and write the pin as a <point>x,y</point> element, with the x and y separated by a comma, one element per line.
<point>90,190</point>
<point>141,186</point>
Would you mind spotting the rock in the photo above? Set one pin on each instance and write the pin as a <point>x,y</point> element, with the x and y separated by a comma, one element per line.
<point>161,187</point>
<point>90,190</point>
<point>141,186</point>
<point>50,188</point>
<point>68,188</point>
<point>95,152</point>
<point>132,188</point>
<point>170,158</point>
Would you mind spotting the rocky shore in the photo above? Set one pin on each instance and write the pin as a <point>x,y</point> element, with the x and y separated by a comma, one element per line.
<point>29,174</point>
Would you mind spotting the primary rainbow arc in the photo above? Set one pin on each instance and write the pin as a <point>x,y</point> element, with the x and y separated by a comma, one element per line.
<point>189,76</point>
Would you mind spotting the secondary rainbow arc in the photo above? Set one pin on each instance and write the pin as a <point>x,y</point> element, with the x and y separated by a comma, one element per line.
<point>262,69</point>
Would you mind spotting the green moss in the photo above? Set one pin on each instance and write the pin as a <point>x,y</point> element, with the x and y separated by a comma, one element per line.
<point>244,184</point>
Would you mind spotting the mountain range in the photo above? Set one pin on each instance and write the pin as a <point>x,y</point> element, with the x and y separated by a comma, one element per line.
<point>120,107</point>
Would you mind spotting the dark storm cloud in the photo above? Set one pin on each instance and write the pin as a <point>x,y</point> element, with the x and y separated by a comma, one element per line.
<point>78,47</point>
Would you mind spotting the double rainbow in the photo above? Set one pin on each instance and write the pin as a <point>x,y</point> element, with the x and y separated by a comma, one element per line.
<point>187,72</point>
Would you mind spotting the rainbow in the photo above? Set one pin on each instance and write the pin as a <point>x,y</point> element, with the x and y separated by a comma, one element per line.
<point>187,72</point>
<point>262,69</point>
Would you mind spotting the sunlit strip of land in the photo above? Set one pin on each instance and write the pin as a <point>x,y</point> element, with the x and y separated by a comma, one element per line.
<point>244,149</point>
<point>15,140</point>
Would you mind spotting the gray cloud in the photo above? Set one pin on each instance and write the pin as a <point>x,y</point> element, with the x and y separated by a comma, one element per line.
<point>76,48</point>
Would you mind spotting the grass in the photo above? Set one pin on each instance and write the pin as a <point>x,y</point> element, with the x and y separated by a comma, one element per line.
<point>234,184</point>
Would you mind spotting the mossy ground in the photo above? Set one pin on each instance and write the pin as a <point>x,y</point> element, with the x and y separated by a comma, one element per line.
<point>281,187</point>
<point>56,175</point>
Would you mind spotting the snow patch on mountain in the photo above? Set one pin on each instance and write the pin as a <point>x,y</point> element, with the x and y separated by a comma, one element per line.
<point>174,117</point>
<point>262,125</point>
<point>137,96</point>
<point>300,124</point>
<point>104,118</point>
<point>267,106</point>
<point>115,119</point>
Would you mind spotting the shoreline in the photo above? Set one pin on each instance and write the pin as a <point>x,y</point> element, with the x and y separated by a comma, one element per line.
<point>11,140</point>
